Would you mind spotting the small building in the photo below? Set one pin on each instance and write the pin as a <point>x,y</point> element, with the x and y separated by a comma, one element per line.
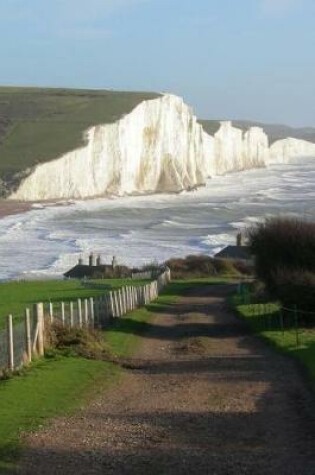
<point>239,252</point>
<point>236,253</point>
<point>96,270</point>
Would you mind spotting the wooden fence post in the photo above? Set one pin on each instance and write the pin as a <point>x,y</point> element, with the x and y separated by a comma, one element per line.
<point>120,303</point>
<point>10,343</point>
<point>134,304</point>
<point>129,299</point>
<point>51,312</point>
<point>63,313</point>
<point>96,311</point>
<point>111,304</point>
<point>123,292</point>
<point>132,298</point>
<point>71,315</point>
<point>91,301</point>
<point>28,338</point>
<point>116,295</point>
<point>79,308</point>
<point>86,312</point>
<point>39,316</point>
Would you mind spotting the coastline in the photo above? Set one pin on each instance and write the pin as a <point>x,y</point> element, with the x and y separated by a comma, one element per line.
<point>8,208</point>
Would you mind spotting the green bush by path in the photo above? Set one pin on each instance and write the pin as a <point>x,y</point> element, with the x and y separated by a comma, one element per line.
<point>15,296</point>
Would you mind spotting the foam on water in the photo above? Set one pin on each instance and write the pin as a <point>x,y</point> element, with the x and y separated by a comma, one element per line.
<point>46,241</point>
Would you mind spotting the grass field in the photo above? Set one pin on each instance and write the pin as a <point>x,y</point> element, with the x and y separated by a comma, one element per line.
<point>15,296</point>
<point>37,125</point>
<point>298,343</point>
<point>59,385</point>
<point>49,388</point>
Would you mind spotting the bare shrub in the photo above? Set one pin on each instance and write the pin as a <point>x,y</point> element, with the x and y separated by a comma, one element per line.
<point>80,341</point>
<point>196,266</point>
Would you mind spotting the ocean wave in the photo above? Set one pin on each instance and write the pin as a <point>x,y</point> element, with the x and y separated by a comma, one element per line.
<point>48,240</point>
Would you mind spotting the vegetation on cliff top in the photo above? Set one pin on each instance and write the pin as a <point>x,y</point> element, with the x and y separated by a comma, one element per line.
<point>38,125</point>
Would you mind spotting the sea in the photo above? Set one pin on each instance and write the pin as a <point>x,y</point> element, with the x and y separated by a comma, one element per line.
<point>49,239</point>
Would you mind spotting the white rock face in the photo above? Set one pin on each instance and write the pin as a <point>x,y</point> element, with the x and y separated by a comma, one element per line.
<point>158,147</point>
<point>235,151</point>
<point>283,151</point>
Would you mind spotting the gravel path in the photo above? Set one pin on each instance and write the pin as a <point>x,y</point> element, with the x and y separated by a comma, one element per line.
<point>202,397</point>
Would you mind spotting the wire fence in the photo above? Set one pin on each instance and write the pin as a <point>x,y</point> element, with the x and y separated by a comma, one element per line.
<point>293,323</point>
<point>20,342</point>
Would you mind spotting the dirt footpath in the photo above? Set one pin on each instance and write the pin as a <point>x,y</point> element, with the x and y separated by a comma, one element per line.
<point>202,397</point>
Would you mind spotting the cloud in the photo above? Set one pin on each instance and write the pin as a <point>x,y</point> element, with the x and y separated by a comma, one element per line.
<point>278,7</point>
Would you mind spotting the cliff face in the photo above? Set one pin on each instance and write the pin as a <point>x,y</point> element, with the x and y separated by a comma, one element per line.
<point>158,147</point>
<point>283,151</point>
<point>235,151</point>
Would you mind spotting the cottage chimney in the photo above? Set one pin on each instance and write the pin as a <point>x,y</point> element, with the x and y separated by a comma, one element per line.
<point>80,262</point>
<point>91,259</point>
<point>98,261</point>
<point>239,239</point>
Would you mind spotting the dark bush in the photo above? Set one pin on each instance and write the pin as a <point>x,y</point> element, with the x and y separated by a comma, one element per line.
<point>295,287</point>
<point>283,242</point>
<point>243,268</point>
<point>284,251</point>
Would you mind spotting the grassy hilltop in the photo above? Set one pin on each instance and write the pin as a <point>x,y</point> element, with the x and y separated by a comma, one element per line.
<point>38,125</point>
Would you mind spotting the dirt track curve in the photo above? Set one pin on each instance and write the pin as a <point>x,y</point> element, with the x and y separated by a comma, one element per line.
<point>203,397</point>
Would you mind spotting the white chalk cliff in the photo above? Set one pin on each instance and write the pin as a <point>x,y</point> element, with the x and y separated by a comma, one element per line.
<point>284,151</point>
<point>158,147</point>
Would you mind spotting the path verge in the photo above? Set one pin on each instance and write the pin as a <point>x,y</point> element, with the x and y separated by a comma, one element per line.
<point>202,395</point>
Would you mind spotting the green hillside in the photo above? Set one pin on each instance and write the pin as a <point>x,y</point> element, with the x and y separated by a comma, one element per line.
<point>38,125</point>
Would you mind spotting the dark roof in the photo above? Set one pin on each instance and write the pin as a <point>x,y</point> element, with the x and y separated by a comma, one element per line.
<point>234,252</point>
<point>81,270</point>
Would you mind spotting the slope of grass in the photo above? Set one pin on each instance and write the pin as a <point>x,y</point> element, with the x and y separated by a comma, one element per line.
<point>38,125</point>
<point>49,388</point>
<point>299,343</point>
<point>15,296</point>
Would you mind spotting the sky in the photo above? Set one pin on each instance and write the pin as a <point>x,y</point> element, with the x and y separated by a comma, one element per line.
<point>229,59</point>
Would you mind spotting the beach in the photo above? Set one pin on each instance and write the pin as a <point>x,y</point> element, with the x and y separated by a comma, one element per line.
<point>8,208</point>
